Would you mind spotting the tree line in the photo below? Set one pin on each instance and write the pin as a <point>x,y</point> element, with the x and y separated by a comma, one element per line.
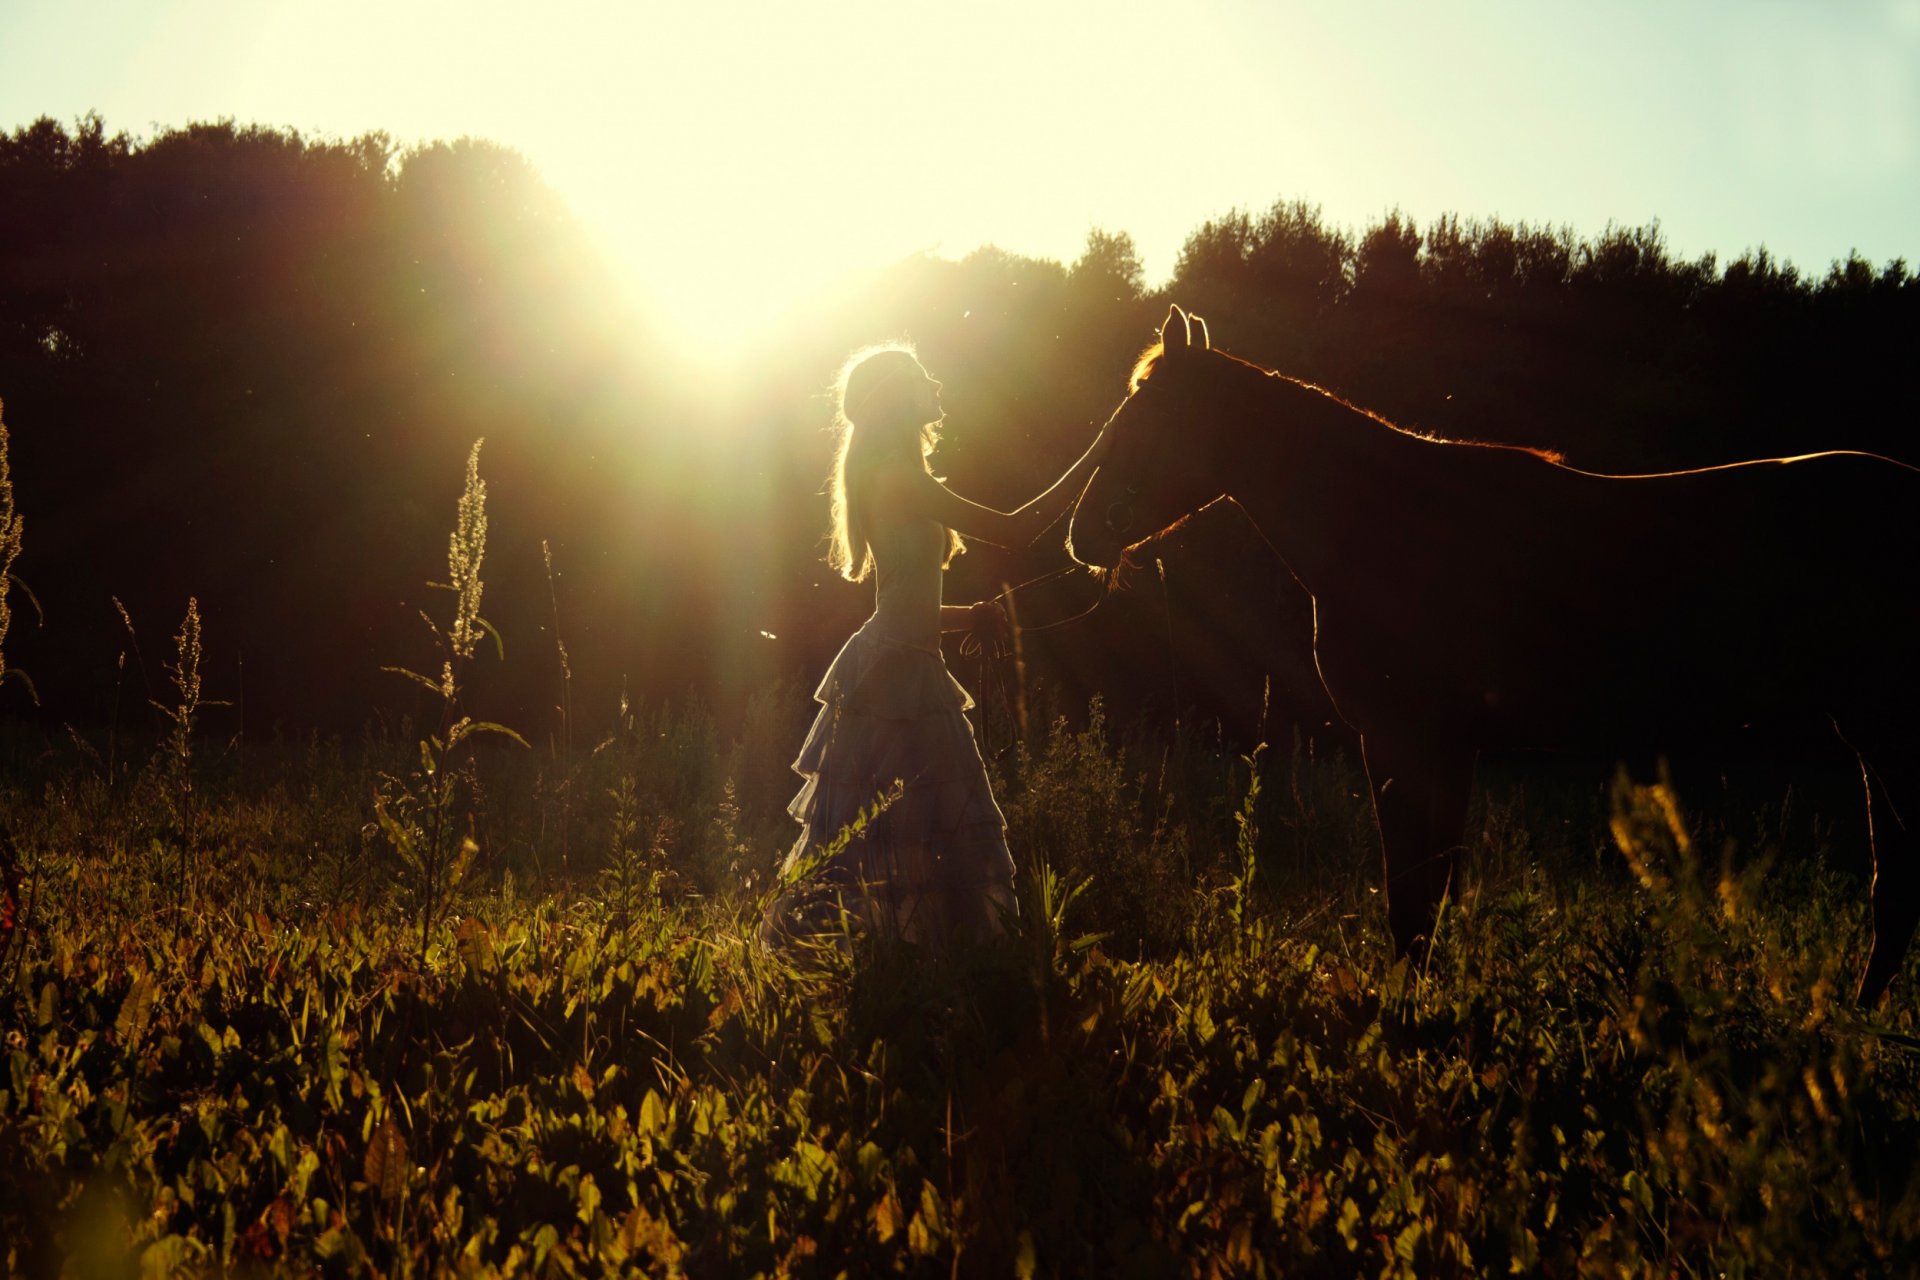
<point>245,365</point>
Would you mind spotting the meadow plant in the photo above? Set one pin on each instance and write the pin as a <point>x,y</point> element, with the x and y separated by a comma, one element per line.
<point>419,813</point>
<point>1594,1077</point>
<point>676,763</point>
<point>1077,805</point>
<point>636,856</point>
<point>12,523</point>
<point>726,852</point>
<point>760,761</point>
<point>333,839</point>
<point>561,745</point>
<point>176,756</point>
<point>119,678</point>
<point>1765,1079</point>
<point>1246,843</point>
<point>15,908</point>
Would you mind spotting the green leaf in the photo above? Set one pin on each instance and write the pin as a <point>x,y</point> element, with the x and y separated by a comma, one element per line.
<point>398,833</point>
<point>1637,1187</point>
<point>15,673</point>
<point>136,1011</point>
<point>589,1197</point>
<point>17,583</point>
<point>416,677</point>
<point>544,1240</point>
<point>476,947</point>
<point>164,1257</point>
<point>1349,1219</point>
<point>488,726</point>
<point>462,859</point>
<point>499,645</point>
<point>653,1113</point>
<point>385,1166</point>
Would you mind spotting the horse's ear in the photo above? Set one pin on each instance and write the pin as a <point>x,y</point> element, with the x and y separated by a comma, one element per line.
<point>1175,333</point>
<point>1199,326</point>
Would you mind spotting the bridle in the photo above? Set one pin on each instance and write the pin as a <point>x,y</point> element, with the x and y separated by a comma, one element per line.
<point>1120,514</point>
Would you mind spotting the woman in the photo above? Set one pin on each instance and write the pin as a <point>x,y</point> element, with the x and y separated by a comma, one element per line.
<point>891,741</point>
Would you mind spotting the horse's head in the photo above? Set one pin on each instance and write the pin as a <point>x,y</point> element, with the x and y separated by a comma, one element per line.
<point>1160,464</point>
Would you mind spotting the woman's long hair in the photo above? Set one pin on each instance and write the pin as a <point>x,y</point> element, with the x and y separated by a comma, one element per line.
<point>872,422</point>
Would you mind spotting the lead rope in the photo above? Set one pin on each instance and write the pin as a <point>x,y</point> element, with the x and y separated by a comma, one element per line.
<point>1003,702</point>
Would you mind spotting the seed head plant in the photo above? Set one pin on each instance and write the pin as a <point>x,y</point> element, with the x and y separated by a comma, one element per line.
<point>419,813</point>
<point>466,547</point>
<point>177,749</point>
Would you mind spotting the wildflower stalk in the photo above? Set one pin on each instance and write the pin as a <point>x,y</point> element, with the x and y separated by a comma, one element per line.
<point>11,526</point>
<point>185,671</point>
<point>418,813</point>
<point>1246,841</point>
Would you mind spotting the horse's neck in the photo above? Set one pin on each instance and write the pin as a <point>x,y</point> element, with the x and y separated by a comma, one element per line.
<point>1306,469</point>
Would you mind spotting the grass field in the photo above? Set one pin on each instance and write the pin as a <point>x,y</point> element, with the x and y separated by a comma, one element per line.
<point>1627,1056</point>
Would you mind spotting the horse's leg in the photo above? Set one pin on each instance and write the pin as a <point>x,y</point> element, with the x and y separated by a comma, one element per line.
<point>1420,802</point>
<point>1893,791</point>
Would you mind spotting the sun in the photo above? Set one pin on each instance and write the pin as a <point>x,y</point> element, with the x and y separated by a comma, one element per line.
<point>738,179</point>
<point>716,289</point>
<point>740,169</point>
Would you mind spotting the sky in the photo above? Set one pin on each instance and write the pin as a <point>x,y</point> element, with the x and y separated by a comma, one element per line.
<point>740,160</point>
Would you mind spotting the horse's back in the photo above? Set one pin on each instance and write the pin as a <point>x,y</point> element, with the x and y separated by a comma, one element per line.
<point>1551,605</point>
<point>1779,587</point>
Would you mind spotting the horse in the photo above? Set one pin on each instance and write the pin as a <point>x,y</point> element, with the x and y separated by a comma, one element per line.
<point>1472,597</point>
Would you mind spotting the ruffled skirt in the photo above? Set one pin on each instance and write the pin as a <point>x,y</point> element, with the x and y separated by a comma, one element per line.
<point>898,823</point>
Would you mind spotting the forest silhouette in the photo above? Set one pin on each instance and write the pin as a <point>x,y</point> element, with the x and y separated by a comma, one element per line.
<point>244,365</point>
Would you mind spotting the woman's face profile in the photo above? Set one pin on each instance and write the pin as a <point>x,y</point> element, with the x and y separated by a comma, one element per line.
<point>926,397</point>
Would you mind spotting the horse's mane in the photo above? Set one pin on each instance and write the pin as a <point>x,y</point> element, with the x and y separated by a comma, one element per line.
<point>1431,437</point>
<point>1144,366</point>
<point>1152,356</point>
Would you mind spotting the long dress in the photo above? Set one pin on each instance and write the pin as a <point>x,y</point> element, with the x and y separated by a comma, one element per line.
<point>891,741</point>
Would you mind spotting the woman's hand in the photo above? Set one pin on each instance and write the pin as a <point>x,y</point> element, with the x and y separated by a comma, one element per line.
<point>987,624</point>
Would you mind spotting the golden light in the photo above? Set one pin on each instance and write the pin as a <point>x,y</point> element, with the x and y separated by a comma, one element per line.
<point>735,157</point>
<point>738,162</point>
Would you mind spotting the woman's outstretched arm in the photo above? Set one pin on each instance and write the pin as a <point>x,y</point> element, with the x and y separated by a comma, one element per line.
<point>911,491</point>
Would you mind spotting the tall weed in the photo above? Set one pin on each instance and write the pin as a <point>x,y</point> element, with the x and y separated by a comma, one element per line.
<point>176,757</point>
<point>420,812</point>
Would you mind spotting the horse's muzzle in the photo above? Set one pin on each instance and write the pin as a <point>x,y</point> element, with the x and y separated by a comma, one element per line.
<point>1120,514</point>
